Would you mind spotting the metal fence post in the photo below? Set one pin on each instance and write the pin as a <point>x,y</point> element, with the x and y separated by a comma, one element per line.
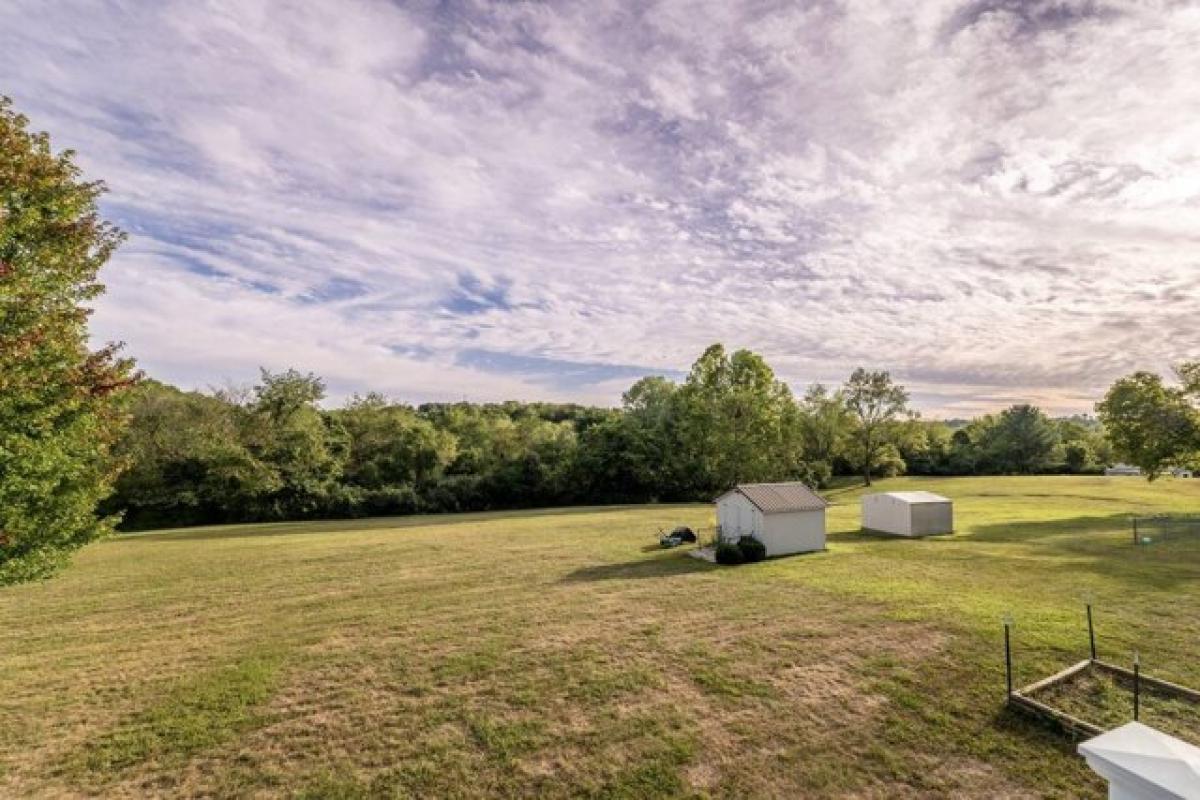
<point>1137,686</point>
<point>1008,676</point>
<point>1091,632</point>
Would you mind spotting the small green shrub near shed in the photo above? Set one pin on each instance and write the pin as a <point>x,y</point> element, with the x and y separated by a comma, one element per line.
<point>752,549</point>
<point>729,554</point>
<point>745,550</point>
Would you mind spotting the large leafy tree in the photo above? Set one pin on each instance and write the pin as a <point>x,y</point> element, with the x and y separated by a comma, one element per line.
<point>1189,375</point>
<point>187,463</point>
<point>735,419</point>
<point>59,404</point>
<point>653,455</point>
<point>637,454</point>
<point>876,404</point>
<point>925,447</point>
<point>1023,440</point>
<point>390,444</point>
<point>1150,424</point>
<point>824,421</point>
<point>305,449</point>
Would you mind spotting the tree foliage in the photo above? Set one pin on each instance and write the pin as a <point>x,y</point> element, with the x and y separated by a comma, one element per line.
<point>59,401</point>
<point>1022,441</point>
<point>824,426</point>
<point>875,404</point>
<point>271,452</point>
<point>1152,425</point>
<point>187,459</point>
<point>735,419</point>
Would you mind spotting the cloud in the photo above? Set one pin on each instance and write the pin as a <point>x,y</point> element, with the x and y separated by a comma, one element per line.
<point>992,199</point>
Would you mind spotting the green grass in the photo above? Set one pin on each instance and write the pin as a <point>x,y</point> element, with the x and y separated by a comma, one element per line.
<point>552,654</point>
<point>199,713</point>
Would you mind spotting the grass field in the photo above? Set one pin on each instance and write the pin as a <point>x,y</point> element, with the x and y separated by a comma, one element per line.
<point>557,653</point>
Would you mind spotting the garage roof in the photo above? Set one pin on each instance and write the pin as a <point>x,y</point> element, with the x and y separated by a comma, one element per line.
<point>779,498</point>
<point>918,497</point>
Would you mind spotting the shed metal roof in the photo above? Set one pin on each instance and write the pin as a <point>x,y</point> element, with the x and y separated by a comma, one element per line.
<point>916,498</point>
<point>779,498</point>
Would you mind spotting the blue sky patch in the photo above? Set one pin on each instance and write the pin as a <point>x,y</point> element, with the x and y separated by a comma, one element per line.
<point>561,374</point>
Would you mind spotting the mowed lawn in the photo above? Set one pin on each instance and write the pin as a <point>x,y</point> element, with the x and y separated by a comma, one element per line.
<point>558,653</point>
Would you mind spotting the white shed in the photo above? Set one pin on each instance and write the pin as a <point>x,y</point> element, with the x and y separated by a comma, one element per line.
<point>785,517</point>
<point>908,513</point>
<point>1141,763</point>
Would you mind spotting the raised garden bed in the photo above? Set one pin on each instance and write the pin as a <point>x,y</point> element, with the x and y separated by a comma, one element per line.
<point>1093,696</point>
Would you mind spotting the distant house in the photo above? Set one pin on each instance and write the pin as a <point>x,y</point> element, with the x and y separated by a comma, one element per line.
<point>1182,472</point>
<point>908,513</point>
<point>1122,470</point>
<point>786,517</point>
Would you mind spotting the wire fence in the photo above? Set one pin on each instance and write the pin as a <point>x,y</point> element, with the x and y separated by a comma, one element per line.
<point>1165,527</point>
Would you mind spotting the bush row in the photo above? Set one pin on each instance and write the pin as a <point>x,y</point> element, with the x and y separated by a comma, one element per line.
<point>745,550</point>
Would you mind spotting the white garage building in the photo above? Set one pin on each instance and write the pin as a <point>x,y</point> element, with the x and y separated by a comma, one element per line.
<point>785,517</point>
<point>908,513</point>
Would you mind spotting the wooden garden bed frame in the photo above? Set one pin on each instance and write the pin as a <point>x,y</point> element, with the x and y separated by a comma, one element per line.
<point>1023,699</point>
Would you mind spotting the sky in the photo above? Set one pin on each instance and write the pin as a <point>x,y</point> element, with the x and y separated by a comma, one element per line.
<point>998,201</point>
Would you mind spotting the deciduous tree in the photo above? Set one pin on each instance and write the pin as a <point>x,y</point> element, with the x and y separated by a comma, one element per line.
<point>734,418</point>
<point>1150,424</point>
<point>875,403</point>
<point>59,404</point>
<point>824,425</point>
<point>1023,440</point>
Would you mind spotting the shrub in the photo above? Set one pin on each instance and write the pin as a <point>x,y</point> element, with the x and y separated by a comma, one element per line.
<point>751,549</point>
<point>729,554</point>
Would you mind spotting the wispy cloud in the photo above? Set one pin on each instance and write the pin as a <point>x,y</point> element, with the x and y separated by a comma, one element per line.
<point>994,199</point>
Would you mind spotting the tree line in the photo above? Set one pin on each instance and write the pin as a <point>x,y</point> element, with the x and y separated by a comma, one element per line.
<point>270,452</point>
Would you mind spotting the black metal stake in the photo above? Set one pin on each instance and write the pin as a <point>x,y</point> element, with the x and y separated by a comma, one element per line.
<point>1007,660</point>
<point>1136,541</point>
<point>1091,632</point>
<point>1137,686</point>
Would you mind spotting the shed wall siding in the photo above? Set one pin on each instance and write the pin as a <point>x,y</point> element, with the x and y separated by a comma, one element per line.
<point>886,515</point>
<point>738,517</point>
<point>795,532</point>
<point>932,518</point>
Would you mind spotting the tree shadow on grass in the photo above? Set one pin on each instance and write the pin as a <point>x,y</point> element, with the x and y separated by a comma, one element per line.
<point>1063,534</point>
<point>667,566</point>
<point>1097,546</point>
<point>246,530</point>
<point>1102,546</point>
<point>1034,531</point>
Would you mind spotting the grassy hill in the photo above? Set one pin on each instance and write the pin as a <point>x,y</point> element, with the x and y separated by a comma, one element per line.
<point>558,653</point>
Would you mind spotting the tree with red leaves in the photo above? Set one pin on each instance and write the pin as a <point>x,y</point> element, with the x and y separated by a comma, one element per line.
<point>59,400</point>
